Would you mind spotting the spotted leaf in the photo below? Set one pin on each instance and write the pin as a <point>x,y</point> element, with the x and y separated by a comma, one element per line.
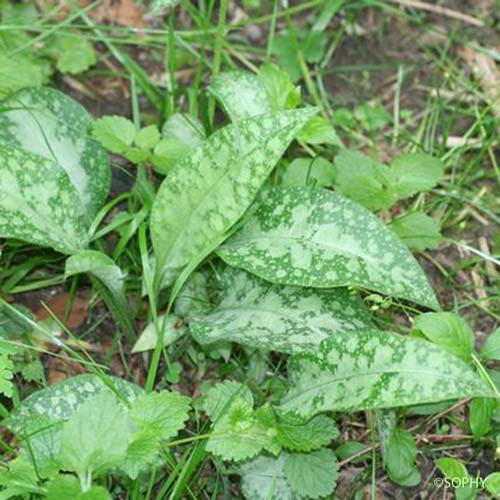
<point>241,94</point>
<point>53,177</point>
<point>289,319</point>
<point>205,194</point>
<point>313,237</point>
<point>375,369</point>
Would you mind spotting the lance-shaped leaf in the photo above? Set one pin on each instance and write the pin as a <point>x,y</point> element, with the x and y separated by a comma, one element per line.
<point>204,195</point>
<point>241,94</point>
<point>375,369</point>
<point>53,177</point>
<point>110,282</point>
<point>313,237</point>
<point>289,319</point>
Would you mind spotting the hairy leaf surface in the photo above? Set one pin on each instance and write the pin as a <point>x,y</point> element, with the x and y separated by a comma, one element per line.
<point>375,369</point>
<point>289,319</point>
<point>204,195</point>
<point>53,177</point>
<point>313,237</point>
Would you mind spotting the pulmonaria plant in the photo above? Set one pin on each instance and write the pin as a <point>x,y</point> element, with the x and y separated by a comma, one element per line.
<point>295,259</point>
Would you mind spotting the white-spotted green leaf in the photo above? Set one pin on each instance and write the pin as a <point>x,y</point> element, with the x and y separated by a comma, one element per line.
<point>53,177</point>
<point>241,94</point>
<point>313,237</point>
<point>173,330</point>
<point>263,478</point>
<point>373,369</point>
<point>204,195</point>
<point>288,319</point>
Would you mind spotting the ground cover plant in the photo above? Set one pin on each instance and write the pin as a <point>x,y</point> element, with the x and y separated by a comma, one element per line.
<point>238,284</point>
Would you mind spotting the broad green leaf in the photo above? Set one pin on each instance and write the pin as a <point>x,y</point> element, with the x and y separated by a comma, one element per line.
<point>312,435</point>
<point>241,94</point>
<point>204,195</point>
<point>312,475</point>
<point>64,487</point>
<point>319,130</point>
<point>491,348</point>
<point>6,369</point>
<point>18,73</point>
<point>304,171</point>
<point>316,238</point>
<point>492,484</point>
<point>59,401</point>
<point>142,453</point>
<point>15,326</point>
<point>220,397</point>
<point>280,89</point>
<point>374,369</point>
<point>96,436</point>
<point>147,137</point>
<point>74,54</point>
<point>163,412</point>
<point>18,477</point>
<point>53,177</point>
<point>193,297</point>
<point>238,434</point>
<point>481,411</point>
<point>115,133</point>
<point>455,471</point>
<point>414,173</point>
<point>363,180</point>
<point>288,319</point>
<point>173,330</point>
<point>263,478</point>
<point>417,230</point>
<point>449,331</point>
<point>372,116</point>
<point>400,458</point>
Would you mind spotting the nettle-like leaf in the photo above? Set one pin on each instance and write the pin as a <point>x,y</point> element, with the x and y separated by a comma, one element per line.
<point>53,177</point>
<point>6,369</point>
<point>491,348</point>
<point>417,230</point>
<point>241,94</point>
<point>220,397</point>
<point>97,435</point>
<point>311,475</point>
<point>316,238</point>
<point>375,369</point>
<point>289,319</point>
<point>59,401</point>
<point>204,195</point>
<point>308,171</point>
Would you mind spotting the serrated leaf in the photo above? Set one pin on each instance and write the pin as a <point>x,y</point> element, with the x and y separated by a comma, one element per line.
<point>220,397</point>
<point>374,369</point>
<point>312,475</point>
<point>164,412</point>
<point>63,487</point>
<point>204,195</point>
<point>312,435</point>
<point>143,451</point>
<point>308,171</point>
<point>319,130</point>
<point>74,54</point>
<point>18,73</point>
<point>237,434</point>
<point>263,478</point>
<point>59,401</point>
<point>316,238</point>
<point>288,319</point>
<point>53,178</point>
<point>417,230</point>
<point>449,331</point>
<point>414,173</point>
<point>96,436</point>
<point>115,133</point>
<point>6,369</point>
<point>148,137</point>
<point>491,348</point>
<point>241,94</point>
<point>173,330</point>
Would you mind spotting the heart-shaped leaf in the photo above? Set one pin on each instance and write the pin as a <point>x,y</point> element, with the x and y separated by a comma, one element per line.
<point>204,195</point>
<point>375,369</point>
<point>289,319</point>
<point>314,237</point>
<point>53,177</point>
